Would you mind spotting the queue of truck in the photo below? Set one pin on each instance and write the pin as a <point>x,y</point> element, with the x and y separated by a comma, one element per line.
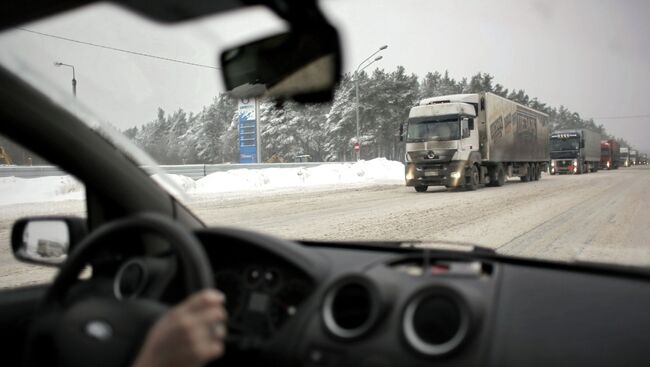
<point>468,140</point>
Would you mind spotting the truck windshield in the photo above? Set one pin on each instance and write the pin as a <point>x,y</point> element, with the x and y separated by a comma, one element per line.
<point>564,144</point>
<point>433,129</point>
<point>604,152</point>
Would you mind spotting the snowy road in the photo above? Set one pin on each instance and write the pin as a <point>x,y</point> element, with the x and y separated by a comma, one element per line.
<point>595,217</point>
<point>599,217</point>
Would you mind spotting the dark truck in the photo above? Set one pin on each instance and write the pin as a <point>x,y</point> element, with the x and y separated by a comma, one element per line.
<point>575,151</point>
<point>610,152</point>
<point>624,159</point>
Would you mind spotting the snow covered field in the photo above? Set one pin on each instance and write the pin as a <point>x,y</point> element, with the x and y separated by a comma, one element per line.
<point>236,182</point>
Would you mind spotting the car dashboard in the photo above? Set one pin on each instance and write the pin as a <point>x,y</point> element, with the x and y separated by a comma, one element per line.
<point>321,304</point>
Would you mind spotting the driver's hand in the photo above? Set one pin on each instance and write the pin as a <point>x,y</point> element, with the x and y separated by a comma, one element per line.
<point>190,334</point>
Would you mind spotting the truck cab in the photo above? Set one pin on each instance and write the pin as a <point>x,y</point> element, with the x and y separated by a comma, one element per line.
<point>633,157</point>
<point>624,159</point>
<point>609,154</point>
<point>575,151</point>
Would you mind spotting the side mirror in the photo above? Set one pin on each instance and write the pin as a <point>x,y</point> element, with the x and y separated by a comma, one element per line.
<point>470,124</point>
<point>401,132</point>
<point>46,240</point>
<point>304,65</point>
<point>465,132</point>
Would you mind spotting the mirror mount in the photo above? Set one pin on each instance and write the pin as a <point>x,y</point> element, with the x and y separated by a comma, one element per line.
<point>46,240</point>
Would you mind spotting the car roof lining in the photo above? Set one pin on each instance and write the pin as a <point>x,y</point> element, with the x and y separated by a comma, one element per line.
<point>296,12</point>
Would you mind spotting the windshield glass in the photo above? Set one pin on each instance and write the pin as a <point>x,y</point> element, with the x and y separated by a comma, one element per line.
<point>344,170</point>
<point>433,129</point>
<point>565,144</point>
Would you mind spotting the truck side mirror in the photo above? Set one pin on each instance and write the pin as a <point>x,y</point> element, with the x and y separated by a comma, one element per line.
<point>582,143</point>
<point>401,132</point>
<point>465,132</point>
<point>470,124</point>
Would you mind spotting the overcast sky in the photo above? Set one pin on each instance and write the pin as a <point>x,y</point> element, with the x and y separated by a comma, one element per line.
<point>590,56</point>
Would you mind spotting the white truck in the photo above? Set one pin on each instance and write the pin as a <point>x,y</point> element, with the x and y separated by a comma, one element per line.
<point>467,140</point>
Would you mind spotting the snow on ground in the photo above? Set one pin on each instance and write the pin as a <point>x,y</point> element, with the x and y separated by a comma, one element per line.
<point>374,172</point>
<point>378,171</point>
<point>15,190</point>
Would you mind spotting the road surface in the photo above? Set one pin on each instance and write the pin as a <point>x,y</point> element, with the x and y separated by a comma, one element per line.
<point>599,217</point>
<point>593,217</point>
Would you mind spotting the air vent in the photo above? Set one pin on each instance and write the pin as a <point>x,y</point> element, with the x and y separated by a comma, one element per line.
<point>351,307</point>
<point>130,280</point>
<point>435,322</point>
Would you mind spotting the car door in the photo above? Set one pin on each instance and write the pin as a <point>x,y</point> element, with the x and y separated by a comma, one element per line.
<point>113,187</point>
<point>29,186</point>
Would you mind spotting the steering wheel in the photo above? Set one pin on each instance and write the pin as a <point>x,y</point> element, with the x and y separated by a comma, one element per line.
<point>106,331</point>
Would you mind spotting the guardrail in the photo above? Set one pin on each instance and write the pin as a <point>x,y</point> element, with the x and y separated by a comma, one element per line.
<point>194,171</point>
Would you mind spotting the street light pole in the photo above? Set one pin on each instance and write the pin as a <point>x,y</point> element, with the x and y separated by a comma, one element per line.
<point>356,86</point>
<point>74,79</point>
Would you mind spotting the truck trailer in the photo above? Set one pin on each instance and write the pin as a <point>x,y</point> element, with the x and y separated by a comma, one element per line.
<point>610,152</point>
<point>624,159</point>
<point>467,140</point>
<point>575,151</point>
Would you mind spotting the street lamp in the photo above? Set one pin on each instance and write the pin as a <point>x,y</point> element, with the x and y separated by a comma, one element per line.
<point>356,86</point>
<point>74,80</point>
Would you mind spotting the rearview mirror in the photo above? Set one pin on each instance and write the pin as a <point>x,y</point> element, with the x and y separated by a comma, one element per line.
<point>45,240</point>
<point>302,65</point>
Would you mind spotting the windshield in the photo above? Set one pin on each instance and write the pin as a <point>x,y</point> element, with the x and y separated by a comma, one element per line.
<point>604,152</point>
<point>558,144</point>
<point>344,171</point>
<point>433,129</point>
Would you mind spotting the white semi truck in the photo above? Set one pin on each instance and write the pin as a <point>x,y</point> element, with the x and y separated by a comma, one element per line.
<point>467,140</point>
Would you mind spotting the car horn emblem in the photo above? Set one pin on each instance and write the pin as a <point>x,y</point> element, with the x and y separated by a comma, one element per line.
<point>431,155</point>
<point>99,330</point>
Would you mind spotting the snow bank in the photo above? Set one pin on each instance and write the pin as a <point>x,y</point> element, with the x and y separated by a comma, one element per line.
<point>378,171</point>
<point>373,172</point>
<point>15,190</point>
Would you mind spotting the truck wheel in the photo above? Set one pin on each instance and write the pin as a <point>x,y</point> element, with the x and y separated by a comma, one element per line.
<point>538,173</point>
<point>528,176</point>
<point>492,173</point>
<point>471,181</point>
<point>501,176</point>
<point>421,188</point>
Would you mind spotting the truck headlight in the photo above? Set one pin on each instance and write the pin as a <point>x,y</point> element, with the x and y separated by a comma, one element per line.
<point>455,174</point>
<point>575,162</point>
<point>552,163</point>
<point>607,164</point>
<point>409,172</point>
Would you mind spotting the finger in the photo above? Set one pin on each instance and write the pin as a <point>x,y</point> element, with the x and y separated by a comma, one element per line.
<point>204,299</point>
<point>211,350</point>
<point>211,315</point>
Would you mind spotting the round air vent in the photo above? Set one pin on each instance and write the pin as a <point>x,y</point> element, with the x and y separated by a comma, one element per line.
<point>435,323</point>
<point>351,307</point>
<point>130,280</point>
